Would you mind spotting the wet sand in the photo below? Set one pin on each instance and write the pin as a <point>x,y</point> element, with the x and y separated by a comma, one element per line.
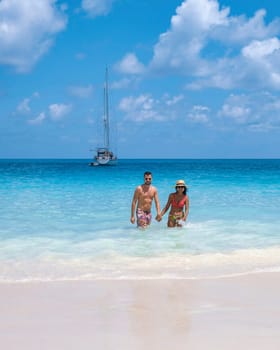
<point>228,313</point>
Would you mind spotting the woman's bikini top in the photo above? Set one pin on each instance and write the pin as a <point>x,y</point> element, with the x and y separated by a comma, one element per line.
<point>179,204</point>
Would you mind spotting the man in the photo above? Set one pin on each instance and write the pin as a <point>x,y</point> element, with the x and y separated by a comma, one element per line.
<point>143,198</point>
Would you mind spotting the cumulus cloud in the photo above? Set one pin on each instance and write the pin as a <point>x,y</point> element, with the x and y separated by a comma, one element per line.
<point>38,120</point>
<point>258,50</point>
<point>27,31</point>
<point>263,58</point>
<point>139,108</point>
<point>216,49</point>
<point>56,111</point>
<point>96,8</point>
<point>24,105</point>
<point>199,114</point>
<point>174,100</point>
<point>179,48</point>
<point>240,109</point>
<point>240,30</point>
<point>130,65</point>
<point>257,112</point>
<point>239,114</point>
<point>59,111</point>
<point>145,108</point>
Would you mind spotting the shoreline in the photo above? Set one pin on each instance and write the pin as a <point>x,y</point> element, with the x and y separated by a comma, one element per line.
<point>134,279</point>
<point>225,313</point>
<point>215,265</point>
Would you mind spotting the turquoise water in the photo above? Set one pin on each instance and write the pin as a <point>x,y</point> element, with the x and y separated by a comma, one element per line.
<point>64,220</point>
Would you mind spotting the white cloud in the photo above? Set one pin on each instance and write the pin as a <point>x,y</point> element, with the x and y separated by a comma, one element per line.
<point>97,7</point>
<point>199,15</point>
<point>56,112</point>
<point>216,49</point>
<point>139,108</point>
<point>239,113</point>
<point>258,50</point>
<point>240,30</point>
<point>59,111</point>
<point>256,112</point>
<point>179,48</point>
<point>24,107</point>
<point>27,30</point>
<point>81,91</point>
<point>262,62</point>
<point>174,100</point>
<point>144,108</point>
<point>38,120</point>
<point>199,114</point>
<point>130,65</point>
<point>239,109</point>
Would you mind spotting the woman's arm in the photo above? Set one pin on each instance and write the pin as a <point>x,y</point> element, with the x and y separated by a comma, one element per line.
<point>164,210</point>
<point>187,204</point>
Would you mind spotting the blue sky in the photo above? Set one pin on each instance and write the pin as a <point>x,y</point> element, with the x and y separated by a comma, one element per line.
<point>188,79</point>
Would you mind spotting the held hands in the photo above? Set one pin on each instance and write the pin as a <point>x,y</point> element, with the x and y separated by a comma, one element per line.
<point>158,217</point>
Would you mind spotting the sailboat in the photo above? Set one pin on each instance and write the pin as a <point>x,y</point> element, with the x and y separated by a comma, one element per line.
<point>104,155</point>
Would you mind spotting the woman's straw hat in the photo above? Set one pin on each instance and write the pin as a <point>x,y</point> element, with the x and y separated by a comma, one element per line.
<point>181,183</point>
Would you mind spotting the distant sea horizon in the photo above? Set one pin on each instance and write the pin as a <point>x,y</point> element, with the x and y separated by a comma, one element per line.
<point>141,158</point>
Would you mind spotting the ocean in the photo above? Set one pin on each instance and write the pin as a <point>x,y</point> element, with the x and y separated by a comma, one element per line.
<point>64,220</point>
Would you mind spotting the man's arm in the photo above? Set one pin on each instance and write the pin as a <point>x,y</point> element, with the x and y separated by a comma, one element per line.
<point>133,206</point>
<point>157,204</point>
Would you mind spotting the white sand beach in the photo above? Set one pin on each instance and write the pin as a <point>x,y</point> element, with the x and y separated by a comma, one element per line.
<point>229,313</point>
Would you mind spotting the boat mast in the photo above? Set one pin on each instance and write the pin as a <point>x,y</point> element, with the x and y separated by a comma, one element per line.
<point>106,112</point>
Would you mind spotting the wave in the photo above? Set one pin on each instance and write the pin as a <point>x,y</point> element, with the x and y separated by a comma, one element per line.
<point>63,267</point>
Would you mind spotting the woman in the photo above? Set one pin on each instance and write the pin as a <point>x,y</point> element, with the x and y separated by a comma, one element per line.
<point>179,203</point>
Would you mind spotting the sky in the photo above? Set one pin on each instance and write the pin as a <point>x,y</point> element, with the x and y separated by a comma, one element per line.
<point>187,79</point>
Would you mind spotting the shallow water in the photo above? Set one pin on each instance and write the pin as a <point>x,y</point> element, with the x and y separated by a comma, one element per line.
<point>61,219</point>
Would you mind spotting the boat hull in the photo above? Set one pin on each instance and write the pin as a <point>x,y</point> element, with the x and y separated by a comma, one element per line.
<point>106,161</point>
<point>104,157</point>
